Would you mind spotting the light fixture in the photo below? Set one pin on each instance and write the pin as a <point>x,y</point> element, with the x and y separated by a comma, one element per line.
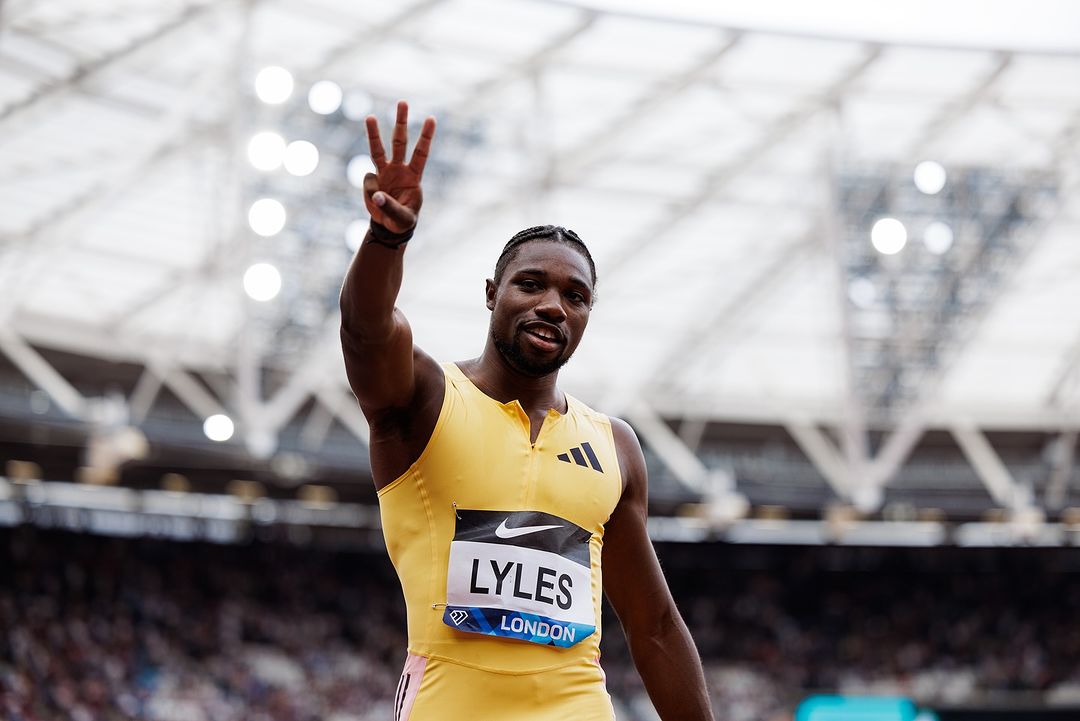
<point>888,236</point>
<point>267,217</point>
<point>358,167</point>
<point>266,150</point>
<point>862,292</point>
<point>324,97</point>
<point>301,158</point>
<point>218,427</point>
<point>357,105</point>
<point>262,282</point>
<point>273,85</point>
<point>930,177</point>
<point>938,237</point>
<point>354,234</point>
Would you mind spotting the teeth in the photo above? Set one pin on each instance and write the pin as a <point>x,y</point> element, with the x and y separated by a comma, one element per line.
<point>543,333</point>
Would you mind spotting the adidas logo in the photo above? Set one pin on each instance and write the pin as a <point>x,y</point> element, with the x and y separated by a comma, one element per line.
<point>579,455</point>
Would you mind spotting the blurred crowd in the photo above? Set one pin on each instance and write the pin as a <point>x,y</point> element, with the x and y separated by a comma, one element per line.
<point>945,626</point>
<point>109,629</point>
<point>102,630</point>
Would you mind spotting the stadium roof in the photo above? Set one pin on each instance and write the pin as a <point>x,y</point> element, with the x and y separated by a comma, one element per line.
<point>725,168</point>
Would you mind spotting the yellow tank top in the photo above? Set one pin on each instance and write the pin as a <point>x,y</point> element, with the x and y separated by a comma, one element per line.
<point>520,523</point>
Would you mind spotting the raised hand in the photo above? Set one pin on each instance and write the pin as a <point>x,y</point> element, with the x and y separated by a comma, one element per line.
<point>392,193</point>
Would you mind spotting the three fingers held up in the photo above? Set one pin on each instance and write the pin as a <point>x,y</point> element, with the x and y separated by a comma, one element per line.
<point>392,194</point>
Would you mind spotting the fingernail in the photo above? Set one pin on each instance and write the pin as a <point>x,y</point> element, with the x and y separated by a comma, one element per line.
<point>378,199</point>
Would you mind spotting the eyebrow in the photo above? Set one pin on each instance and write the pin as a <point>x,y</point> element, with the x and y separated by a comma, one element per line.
<point>543,274</point>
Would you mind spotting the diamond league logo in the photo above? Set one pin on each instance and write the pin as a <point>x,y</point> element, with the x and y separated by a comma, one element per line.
<point>457,616</point>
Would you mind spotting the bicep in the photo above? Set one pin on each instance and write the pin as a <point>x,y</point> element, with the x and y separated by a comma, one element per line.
<point>386,373</point>
<point>633,580</point>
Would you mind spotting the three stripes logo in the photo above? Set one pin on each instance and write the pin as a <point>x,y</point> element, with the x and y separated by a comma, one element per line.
<point>579,456</point>
<point>401,694</point>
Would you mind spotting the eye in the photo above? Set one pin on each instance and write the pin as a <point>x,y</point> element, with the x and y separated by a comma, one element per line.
<point>528,284</point>
<point>576,297</point>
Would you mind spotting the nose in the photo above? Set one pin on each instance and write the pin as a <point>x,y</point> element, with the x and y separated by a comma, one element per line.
<point>550,307</point>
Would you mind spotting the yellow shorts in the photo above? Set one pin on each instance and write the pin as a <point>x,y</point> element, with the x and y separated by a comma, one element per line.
<point>437,690</point>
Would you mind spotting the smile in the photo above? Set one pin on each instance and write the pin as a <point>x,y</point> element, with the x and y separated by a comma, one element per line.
<point>544,337</point>
<point>543,333</point>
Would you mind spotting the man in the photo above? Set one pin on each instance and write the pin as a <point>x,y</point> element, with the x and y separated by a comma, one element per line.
<point>501,495</point>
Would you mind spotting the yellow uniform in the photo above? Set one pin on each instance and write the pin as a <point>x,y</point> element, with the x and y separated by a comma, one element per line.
<point>497,543</point>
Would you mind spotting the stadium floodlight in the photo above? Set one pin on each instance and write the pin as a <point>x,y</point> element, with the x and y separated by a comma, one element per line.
<point>274,85</point>
<point>930,177</point>
<point>267,217</point>
<point>862,292</point>
<point>218,427</point>
<point>357,105</point>
<point>266,150</point>
<point>359,166</point>
<point>301,158</point>
<point>354,234</point>
<point>262,282</point>
<point>889,236</point>
<point>938,237</point>
<point>324,97</point>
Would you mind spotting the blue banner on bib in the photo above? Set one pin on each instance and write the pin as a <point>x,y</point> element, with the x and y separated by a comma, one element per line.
<point>515,624</point>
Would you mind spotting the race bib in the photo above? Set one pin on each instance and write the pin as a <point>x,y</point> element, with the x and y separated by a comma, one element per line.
<point>520,574</point>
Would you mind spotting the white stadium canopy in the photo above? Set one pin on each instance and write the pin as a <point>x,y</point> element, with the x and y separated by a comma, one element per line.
<point>726,165</point>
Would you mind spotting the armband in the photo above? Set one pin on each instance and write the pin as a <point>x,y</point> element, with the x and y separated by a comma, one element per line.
<point>379,235</point>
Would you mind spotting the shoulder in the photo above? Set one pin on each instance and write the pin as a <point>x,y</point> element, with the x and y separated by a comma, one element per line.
<point>624,435</point>
<point>631,457</point>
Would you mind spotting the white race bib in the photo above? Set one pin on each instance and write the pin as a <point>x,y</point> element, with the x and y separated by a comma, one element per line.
<point>520,574</point>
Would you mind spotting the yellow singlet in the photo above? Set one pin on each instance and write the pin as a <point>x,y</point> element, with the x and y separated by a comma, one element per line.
<point>497,543</point>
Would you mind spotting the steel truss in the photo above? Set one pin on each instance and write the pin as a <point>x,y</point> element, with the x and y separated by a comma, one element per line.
<point>315,379</point>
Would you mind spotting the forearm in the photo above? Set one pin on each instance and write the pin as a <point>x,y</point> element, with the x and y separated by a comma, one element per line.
<point>370,290</point>
<point>670,667</point>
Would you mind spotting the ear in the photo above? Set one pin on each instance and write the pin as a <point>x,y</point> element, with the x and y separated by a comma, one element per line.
<point>489,292</point>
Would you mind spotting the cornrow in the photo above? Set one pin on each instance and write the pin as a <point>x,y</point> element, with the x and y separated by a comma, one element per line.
<point>554,233</point>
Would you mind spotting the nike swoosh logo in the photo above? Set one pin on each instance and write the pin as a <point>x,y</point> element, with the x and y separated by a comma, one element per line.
<point>503,532</point>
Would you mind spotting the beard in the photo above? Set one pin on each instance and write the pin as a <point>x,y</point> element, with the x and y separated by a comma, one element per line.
<point>513,352</point>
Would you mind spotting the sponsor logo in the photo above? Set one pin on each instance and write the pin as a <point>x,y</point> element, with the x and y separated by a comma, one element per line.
<point>458,616</point>
<point>503,532</point>
<point>583,456</point>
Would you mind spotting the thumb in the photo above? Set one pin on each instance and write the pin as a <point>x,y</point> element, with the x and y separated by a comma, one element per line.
<point>371,187</point>
<point>384,209</point>
<point>396,217</point>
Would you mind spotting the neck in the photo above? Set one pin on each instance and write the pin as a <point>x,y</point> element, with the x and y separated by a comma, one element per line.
<point>498,379</point>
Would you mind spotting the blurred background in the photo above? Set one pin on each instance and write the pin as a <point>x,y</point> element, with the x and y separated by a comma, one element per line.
<point>838,299</point>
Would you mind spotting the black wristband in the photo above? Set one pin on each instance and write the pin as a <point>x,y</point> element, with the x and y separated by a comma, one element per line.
<point>379,235</point>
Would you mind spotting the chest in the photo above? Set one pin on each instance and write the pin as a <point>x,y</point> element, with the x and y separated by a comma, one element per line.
<point>494,456</point>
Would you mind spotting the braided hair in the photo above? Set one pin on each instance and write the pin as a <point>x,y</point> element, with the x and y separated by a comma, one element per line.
<point>553,233</point>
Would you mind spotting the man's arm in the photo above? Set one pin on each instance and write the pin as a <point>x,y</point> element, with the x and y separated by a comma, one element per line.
<point>659,641</point>
<point>375,337</point>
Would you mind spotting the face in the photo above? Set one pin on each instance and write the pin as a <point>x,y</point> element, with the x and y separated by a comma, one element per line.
<point>541,306</point>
